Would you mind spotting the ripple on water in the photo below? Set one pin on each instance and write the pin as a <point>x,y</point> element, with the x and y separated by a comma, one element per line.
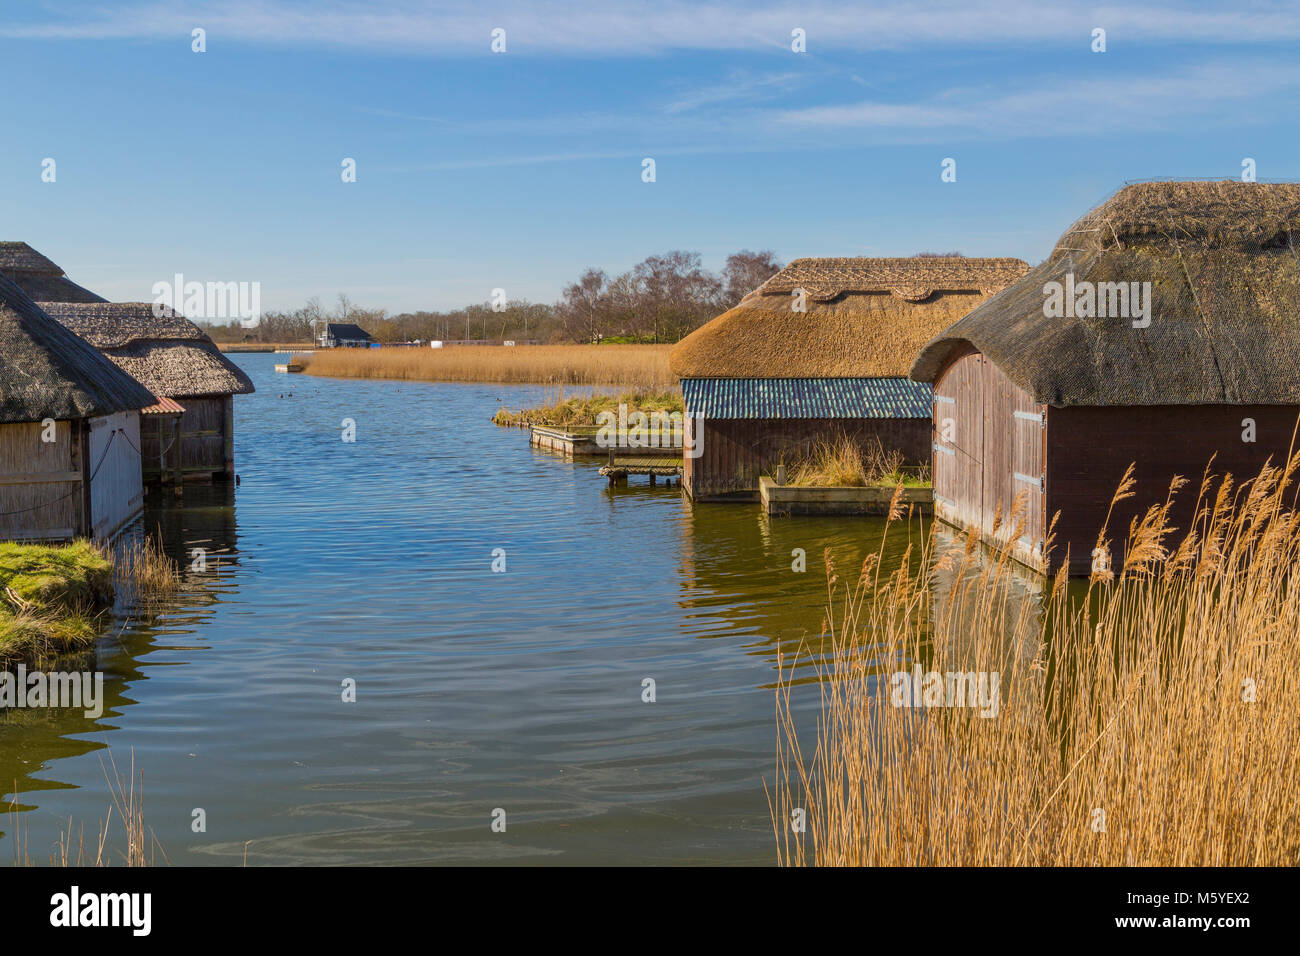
<point>372,561</point>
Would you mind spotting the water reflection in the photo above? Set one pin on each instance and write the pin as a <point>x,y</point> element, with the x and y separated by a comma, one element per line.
<point>956,600</point>
<point>34,743</point>
<point>373,561</point>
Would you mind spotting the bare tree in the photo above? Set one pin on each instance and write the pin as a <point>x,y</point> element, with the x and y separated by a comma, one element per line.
<point>676,293</point>
<point>344,311</point>
<point>745,271</point>
<point>583,306</point>
<point>622,300</point>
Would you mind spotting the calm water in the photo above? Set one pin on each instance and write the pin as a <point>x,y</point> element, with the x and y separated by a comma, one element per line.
<point>475,690</point>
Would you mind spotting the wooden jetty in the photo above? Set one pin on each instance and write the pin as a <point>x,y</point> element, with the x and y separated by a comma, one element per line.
<point>781,499</point>
<point>576,440</point>
<point>659,467</point>
<point>581,440</point>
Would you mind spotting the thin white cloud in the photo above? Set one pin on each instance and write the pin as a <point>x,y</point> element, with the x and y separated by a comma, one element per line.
<point>1078,107</point>
<point>599,28</point>
<point>634,158</point>
<point>740,87</point>
<point>530,160</point>
<point>1224,93</point>
<point>395,114</point>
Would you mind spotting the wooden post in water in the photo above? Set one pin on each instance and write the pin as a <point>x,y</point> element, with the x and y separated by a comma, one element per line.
<point>228,433</point>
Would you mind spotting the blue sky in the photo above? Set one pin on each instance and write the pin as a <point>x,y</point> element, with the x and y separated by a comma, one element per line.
<point>478,170</point>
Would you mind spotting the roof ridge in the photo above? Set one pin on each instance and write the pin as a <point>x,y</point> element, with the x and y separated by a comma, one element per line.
<point>912,278</point>
<point>19,256</point>
<point>53,373</point>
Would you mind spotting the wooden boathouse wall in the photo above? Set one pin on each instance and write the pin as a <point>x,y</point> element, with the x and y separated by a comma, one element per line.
<point>1006,451</point>
<point>195,445</point>
<point>989,447</point>
<point>41,482</point>
<point>113,459</point>
<point>86,482</point>
<point>207,436</point>
<point>736,452</point>
<point>1089,449</point>
<point>160,447</point>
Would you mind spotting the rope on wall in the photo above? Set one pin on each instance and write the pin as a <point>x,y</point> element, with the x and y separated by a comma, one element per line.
<point>75,491</point>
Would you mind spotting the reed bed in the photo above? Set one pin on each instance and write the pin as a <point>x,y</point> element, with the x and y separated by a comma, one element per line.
<point>1145,717</point>
<point>145,574</point>
<point>842,462</point>
<point>631,366</point>
<point>585,410</point>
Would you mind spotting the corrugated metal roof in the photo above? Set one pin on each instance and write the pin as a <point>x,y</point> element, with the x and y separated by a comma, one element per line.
<point>775,398</point>
<point>165,406</point>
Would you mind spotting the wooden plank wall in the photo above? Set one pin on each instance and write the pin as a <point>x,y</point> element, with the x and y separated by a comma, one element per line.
<point>203,435</point>
<point>1029,420</point>
<point>153,438</point>
<point>959,414</point>
<point>116,488</point>
<point>688,463</point>
<point>160,433</point>
<point>1088,450</point>
<point>40,482</point>
<point>736,452</point>
<point>228,436</point>
<point>975,473</point>
<point>1013,452</point>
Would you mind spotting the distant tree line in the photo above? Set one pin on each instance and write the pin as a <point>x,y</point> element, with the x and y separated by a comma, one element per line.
<point>660,299</point>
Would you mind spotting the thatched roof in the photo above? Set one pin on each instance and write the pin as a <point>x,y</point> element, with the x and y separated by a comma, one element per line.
<point>41,279</point>
<point>165,351</point>
<point>864,317</point>
<point>48,372</point>
<point>1225,303</point>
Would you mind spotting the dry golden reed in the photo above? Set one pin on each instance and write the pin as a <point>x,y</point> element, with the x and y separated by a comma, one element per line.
<point>126,799</point>
<point>842,462</point>
<point>145,573</point>
<point>1144,717</point>
<point>641,366</point>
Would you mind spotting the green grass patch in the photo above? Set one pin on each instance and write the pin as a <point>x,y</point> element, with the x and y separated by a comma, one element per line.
<point>908,479</point>
<point>51,598</point>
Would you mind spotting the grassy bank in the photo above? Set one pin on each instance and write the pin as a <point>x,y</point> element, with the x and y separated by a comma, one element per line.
<point>52,598</point>
<point>1148,722</point>
<point>638,366</point>
<point>582,411</point>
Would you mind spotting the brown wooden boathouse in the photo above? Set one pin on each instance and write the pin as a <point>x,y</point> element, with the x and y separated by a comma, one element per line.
<point>1041,412</point>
